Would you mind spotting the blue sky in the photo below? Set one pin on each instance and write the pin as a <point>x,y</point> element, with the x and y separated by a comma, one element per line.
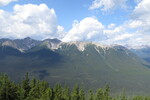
<point>69,10</point>
<point>123,22</point>
<point>66,10</point>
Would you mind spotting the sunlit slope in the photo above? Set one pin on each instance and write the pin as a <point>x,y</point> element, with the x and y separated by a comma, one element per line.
<point>89,65</point>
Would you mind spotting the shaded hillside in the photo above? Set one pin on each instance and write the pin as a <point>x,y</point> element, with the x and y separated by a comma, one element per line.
<point>33,89</point>
<point>88,64</point>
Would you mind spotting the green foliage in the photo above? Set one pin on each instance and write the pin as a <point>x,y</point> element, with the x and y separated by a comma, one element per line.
<point>39,90</point>
<point>25,85</point>
<point>103,94</point>
<point>8,90</point>
<point>75,93</point>
<point>91,95</point>
<point>92,68</point>
<point>81,94</point>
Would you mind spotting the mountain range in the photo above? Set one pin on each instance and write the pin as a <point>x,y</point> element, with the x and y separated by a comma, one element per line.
<point>91,65</point>
<point>142,51</point>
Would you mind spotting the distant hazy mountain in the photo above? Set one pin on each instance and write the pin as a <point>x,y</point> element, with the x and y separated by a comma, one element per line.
<point>26,43</point>
<point>142,51</point>
<point>21,44</point>
<point>88,64</point>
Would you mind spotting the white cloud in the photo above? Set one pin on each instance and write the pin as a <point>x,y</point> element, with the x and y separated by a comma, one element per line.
<point>141,14</point>
<point>141,11</point>
<point>106,5</point>
<point>37,21</point>
<point>111,26</point>
<point>40,22</point>
<point>123,37</point>
<point>140,20</point>
<point>136,30</point>
<point>6,2</point>
<point>88,29</point>
<point>116,30</point>
<point>134,24</point>
<point>117,35</point>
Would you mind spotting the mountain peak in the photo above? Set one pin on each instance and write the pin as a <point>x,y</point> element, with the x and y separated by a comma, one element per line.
<point>28,43</point>
<point>27,38</point>
<point>55,40</point>
<point>82,45</point>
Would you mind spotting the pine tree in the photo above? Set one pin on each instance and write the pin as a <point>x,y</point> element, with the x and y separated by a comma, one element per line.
<point>81,94</point>
<point>25,85</point>
<point>8,89</point>
<point>58,92</point>
<point>75,93</point>
<point>91,95</point>
<point>33,83</point>
<point>99,94</point>
<point>106,93</point>
<point>35,91</point>
<point>123,96</point>
<point>66,93</point>
<point>20,93</point>
<point>40,90</point>
<point>47,95</point>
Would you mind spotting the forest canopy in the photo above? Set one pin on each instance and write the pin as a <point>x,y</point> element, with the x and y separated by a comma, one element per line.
<point>34,89</point>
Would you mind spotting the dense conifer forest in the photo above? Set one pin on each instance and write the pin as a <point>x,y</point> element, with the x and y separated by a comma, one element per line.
<point>33,89</point>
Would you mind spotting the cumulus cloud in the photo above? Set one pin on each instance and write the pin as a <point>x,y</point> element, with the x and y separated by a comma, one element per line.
<point>111,26</point>
<point>6,2</point>
<point>117,35</point>
<point>142,11</point>
<point>40,22</point>
<point>37,21</point>
<point>135,31</point>
<point>141,16</point>
<point>123,37</point>
<point>134,24</point>
<point>106,5</point>
<point>88,29</point>
<point>140,20</point>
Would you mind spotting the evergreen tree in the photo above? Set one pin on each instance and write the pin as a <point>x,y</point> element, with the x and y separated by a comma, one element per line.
<point>81,94</point>
<point>33,83</point>
<point>58,92</point>
<point>8,90</point>
<point>123,96</point>
<point>35,91</point>
<point>47,95</point>
<point>20,93</point>
<point>66,93</point>
<point>99,94</point>
<point>40,90</point>
<point>75,93</point>
<point>25,85</point>
<point>91,95</point>
<point>106,93</point>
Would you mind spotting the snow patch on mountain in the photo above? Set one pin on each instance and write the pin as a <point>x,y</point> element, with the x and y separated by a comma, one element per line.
<point>97,50</point>
<point>9,43</point>
<point>54,44</point>
<point>82,45</point>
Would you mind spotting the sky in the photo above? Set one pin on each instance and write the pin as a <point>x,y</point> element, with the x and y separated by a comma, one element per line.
<point>125,22</point>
